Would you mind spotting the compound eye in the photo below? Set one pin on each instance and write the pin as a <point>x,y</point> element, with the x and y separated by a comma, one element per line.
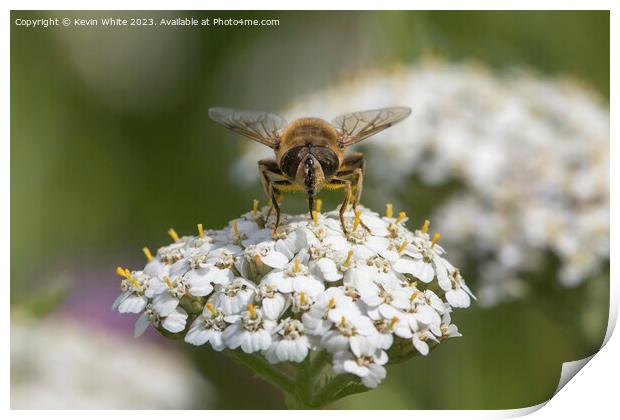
<point>328,160</point>
<point>291,160</point>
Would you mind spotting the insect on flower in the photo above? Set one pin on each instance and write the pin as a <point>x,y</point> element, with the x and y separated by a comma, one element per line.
<point>310,152</point>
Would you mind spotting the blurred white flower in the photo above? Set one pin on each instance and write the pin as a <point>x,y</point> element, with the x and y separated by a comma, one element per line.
<point>57,363</point>
<point>313,288</point>
<point>531,155</point>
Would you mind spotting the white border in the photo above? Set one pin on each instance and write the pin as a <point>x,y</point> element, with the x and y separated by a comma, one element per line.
<point>593,394</point>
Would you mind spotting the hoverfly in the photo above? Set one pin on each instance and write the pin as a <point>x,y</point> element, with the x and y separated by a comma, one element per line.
<point>310,152</point>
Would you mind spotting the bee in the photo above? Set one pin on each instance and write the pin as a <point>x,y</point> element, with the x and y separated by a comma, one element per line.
<point>310,152</point>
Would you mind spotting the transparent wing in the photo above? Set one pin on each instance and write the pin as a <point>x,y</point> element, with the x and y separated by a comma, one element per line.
<point>356,126</point>
<point>260,126</point>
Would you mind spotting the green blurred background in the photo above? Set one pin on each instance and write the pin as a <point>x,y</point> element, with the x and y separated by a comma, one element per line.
<point>111,146</point>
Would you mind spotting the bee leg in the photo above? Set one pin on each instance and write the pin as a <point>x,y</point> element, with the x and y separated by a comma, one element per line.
<point>275,206</point>
<point>353,167</point>
<point>358,179</point>
<point>346,184</point>
<point>310,204</point>
<point>268,169</point>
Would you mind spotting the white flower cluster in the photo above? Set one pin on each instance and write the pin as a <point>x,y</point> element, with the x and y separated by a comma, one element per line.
<point>530,153</point>
<point>307,287</point>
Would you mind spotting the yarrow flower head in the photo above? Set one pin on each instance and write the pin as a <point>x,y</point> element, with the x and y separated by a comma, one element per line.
<point>379,293</point>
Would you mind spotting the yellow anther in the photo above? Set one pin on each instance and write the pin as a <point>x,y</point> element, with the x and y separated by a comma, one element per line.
<point>393,321</point>
<point>343,321</point>
<point>402,246</point>
<point>254,207</point>
<point>400,217</point>
<point>252,311</point>
<point>389,210</point>
<point>413,296</point>
<point>124,272</point>
<point>348,260</point>
<point>319,204</point>
<point>425,226</point>
<point>296,269</point>
<point>302,298</point>
<point>201,231</point>
<point>211,309</point>
<point>332,303</point>
<point>235,228</point>
<point>173,234</point>
<point>168,282</point>
<point>314,217</point>
<point>147,252</point>
<point>357,220</point>
<point>435,239</point>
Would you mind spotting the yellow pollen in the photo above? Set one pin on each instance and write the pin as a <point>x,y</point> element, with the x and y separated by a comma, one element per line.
<point>235,228</point>
<point>302,298</point>
<point>343,321</point>
<point>400,217</point>
<point>413,296</point>
<point>296,269</point>
<point>435,239</point>
<point>211,309</point>
<point>348,260</point>
<point>173,234</point>
<point>252,310</point>
<point>393,321</point>
<point>127,274</point>
<point>201,231</point>
<point>425,226</point>
<point>402,246</point>
<point>121,271</point>
<point>314,217</point>
<point>357,220</point>
<point>389,210</point>
<point>254,207</point>
<point>168,282</point>
<point>319,204</point>
<point>147,252</point>
<point>332,303</point>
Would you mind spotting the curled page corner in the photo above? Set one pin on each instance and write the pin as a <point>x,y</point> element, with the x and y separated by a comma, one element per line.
<point>570,369</point>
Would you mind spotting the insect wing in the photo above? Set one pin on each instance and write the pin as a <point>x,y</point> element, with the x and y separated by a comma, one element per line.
<point>356,126</point>
<point>260,126</point>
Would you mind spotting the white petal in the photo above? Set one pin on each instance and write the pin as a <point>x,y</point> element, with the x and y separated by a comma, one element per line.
<point>328,269</point>
<point>273,307</point>
<point>376,375</point>
<point>142,324</point>
<point>175,322</point>
<point>275,259</point>
<point>352,367</point>
<point>165,303</point>
<point>420,345</point>
<point>377,244</point>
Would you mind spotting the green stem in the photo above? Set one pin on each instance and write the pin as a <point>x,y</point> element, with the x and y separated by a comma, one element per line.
<point>304,384</point>
<point>350,389</point>
<point>330,391</point>
<point>265,370</point>
<point>318,363</point>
